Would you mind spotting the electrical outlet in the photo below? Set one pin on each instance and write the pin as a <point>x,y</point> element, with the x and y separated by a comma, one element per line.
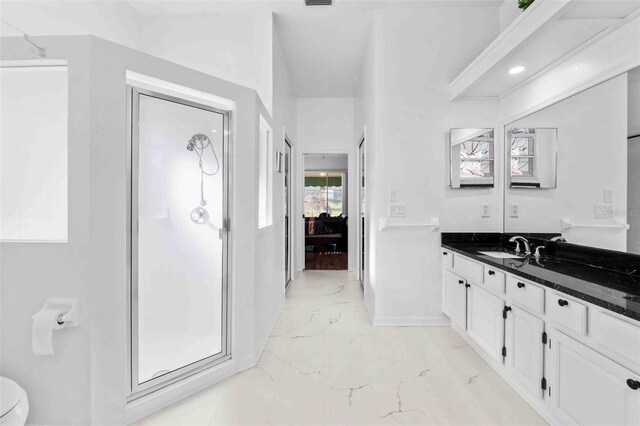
<point>397,210</point>
<point>608,195</point>
<point>603,211</point>
<point>393,196</point>
<point>485,210</point>
<point>514,210</point>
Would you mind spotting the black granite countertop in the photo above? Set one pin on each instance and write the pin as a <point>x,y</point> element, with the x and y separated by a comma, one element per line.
<point>602,277</point>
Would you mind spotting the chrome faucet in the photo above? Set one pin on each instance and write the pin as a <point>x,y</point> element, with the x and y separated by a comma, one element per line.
<point>559,239</point>
<point>527,247</point>
<point>537,252</point>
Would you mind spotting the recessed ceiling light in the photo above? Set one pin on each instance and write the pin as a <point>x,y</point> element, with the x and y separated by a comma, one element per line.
<point>516,70</point>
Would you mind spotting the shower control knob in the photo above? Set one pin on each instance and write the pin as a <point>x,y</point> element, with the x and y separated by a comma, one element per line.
<point>199,215</point>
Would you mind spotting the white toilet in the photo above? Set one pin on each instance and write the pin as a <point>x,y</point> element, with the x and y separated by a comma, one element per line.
<point>14,405</point>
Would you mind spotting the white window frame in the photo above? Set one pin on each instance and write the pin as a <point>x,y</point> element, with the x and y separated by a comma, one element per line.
<point>265,174</point>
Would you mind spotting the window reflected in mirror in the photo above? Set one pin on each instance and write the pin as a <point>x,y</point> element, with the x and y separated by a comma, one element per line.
<point>472,158</point>
<point>533,157</point>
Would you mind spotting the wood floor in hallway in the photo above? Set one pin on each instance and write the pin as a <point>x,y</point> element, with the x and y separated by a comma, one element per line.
<point>326,364</point>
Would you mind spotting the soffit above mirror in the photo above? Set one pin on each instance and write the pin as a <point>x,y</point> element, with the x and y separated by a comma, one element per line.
<point>541,37</point>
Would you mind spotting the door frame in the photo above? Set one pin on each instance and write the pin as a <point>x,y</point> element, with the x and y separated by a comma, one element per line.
<point>137,390</point>
<point>299,201</point>
<point>289,237</point>
<point>361,235</point>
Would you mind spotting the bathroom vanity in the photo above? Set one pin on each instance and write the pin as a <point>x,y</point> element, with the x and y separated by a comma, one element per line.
<point>562,328</point>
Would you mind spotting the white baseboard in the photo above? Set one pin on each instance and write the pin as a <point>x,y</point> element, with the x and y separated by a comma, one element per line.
<point>432,321</point>
<point>172,394</point>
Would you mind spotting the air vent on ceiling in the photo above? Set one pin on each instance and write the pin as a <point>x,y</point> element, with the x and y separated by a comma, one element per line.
<point>318,2</point>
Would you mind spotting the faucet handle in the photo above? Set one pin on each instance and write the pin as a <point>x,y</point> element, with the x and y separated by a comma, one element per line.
<point>537,253</point>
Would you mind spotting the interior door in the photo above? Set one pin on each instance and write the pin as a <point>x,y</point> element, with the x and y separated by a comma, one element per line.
<point>287,213</point>
<point>179,196</point>
<point>362,227</point>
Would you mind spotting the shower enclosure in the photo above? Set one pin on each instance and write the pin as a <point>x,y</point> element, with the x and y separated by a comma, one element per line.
<point>178,246</point>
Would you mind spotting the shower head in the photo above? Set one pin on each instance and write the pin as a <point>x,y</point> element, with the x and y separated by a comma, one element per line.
<point>198,141</point>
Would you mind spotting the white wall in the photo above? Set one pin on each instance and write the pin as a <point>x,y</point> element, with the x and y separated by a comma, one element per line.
<point>413,64</point>
<point>365,107</point>
<point>327,163</point>
<point>325,123</point>
<point>270,263</point>
<point>234,47</point>
<point>112,20</point>
<point>509,12</point>
<point>592,157</point>
<point>325,126</point>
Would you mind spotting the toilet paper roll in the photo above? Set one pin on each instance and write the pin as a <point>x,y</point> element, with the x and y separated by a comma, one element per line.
<point>44,322</point>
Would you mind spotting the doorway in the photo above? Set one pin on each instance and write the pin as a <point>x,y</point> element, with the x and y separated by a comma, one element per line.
<point>326,212</point>
<point>287,213</point>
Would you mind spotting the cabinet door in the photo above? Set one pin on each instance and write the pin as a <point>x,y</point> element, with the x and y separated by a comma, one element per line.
<point>525,350</point>
<point>484,320</point>
<point>455,299</point>
<point>590,389</point>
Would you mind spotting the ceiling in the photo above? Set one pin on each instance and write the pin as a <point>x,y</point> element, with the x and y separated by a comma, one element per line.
<point>323,45</point>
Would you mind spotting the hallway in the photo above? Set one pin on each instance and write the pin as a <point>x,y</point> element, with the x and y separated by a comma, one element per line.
<point>325,364</point>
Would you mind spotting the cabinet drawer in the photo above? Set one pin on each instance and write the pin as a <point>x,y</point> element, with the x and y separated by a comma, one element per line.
<point>494,280</point>
<point>567,313</point>
<point>447,258</point>
<point>525,294</point>
<point>469,269</point>
<point>616,336</point>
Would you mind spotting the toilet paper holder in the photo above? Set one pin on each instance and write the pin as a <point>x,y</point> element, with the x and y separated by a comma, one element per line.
<point>67,308</point>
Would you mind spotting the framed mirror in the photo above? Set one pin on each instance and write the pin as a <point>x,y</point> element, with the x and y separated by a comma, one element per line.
<point>593,198</point>
<point>532,157</point>
<point>472,158</point>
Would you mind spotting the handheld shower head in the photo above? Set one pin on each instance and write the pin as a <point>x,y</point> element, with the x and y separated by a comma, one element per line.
<point>198,141</point>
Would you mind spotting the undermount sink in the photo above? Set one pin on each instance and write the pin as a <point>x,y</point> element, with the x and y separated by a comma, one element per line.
<point>500,255</point>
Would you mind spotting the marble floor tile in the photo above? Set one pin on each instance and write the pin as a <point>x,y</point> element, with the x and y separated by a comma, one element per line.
<point>324,364</point>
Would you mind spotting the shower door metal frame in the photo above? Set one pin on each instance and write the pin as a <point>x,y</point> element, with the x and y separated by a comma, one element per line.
<point>137,390</point>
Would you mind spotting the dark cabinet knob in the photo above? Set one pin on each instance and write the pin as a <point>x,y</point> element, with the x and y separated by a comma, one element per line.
<point>520,285</point>
<point>444,253</point>
<point>467,285</point>
<point>633,384</point>
<point>562,302</point>
<point>460,281</point>
<point>492,272</point>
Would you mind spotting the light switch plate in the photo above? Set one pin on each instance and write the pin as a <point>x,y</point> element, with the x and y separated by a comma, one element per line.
<point>608,195</point>
<point>397,210</point>
<point>393,196</point>
<point>603,210</point>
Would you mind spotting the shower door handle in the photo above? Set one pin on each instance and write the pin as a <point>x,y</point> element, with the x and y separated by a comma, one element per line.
<point>225,228</point>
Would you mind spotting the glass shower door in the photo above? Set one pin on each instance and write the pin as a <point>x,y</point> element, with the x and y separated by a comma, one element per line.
<point>178,240</point>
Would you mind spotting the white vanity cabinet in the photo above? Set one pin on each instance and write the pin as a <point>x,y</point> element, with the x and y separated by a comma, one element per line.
<point>588,388</point>
<point>575,362</point>
<point>454,303</point>
<point>485,324</point>
<point>524,342</point>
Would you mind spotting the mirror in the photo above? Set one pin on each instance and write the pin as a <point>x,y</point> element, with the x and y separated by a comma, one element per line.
<point>533,157</point>
<point>594,198</point>
<point>472,158</point>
